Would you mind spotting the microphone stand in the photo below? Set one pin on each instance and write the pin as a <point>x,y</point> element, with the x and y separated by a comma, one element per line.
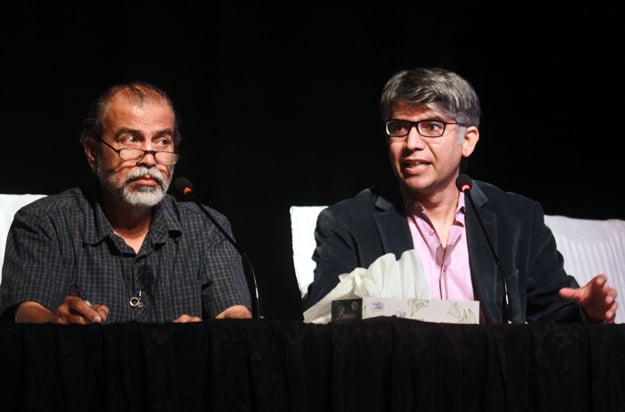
<point>466,188</point>
<point>184,193</point>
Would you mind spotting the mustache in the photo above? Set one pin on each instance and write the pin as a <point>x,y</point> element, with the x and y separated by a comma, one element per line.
<point>141,171</point>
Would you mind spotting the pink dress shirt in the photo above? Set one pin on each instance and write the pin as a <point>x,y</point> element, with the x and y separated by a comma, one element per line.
<point>446,268</point>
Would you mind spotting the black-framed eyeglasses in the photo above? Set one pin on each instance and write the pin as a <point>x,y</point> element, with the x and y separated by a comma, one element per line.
<point>135,155</point>
<point>426,127</point>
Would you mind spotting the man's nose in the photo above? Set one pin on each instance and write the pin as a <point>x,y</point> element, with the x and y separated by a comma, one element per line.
<point>414,140</point>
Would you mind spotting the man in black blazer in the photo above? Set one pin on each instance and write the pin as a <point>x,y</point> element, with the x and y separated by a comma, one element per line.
<point>432,117</point>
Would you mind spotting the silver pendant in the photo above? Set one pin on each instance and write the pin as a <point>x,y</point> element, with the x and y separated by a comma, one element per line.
<point>136,302</point>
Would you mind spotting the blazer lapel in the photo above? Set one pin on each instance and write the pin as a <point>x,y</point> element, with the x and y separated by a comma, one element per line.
<point>484,272</point>
<point>393,228</point>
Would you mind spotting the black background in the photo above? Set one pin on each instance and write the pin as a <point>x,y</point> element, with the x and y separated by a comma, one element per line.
<point>278,103</point>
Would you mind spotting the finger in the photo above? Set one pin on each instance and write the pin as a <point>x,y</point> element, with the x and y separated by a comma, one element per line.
<point>79,311</point>
<point>600,280</point>
<point>82,306</point>
<point>610,298</point>
<point>72,318</point>
<point>568,293</point>
<point>85,310</point>
<point>102,310</point>
<point>187,319</point>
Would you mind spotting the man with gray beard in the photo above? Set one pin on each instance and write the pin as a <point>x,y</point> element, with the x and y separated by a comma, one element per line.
<point>123,249</point>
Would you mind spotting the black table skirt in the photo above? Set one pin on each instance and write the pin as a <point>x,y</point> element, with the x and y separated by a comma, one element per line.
<point>382,364</point>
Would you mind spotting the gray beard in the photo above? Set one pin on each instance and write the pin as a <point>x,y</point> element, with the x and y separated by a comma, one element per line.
<point>141,196</point>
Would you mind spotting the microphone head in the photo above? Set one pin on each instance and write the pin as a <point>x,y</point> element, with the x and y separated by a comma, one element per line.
<point>464,182</point>
<point>183,187</point>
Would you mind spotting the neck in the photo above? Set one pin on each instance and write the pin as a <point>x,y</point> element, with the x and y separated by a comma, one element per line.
<point>441,210</point>
<point>437,203</point>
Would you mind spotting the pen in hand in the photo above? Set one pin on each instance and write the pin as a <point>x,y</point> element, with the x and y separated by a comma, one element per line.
<point>75,290</point>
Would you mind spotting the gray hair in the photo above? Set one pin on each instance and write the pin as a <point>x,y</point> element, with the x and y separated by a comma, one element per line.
<point>436,88</point>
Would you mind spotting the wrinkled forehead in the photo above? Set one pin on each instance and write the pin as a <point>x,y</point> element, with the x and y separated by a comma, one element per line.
<point>140,115</point>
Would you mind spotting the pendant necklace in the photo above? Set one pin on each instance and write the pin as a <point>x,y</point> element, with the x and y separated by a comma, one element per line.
<point>135,301</point>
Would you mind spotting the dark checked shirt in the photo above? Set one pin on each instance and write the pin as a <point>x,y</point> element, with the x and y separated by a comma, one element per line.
<point>185,265</point>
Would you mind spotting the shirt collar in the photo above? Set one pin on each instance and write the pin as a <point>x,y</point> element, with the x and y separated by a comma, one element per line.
<point>164,223</point>
<point>417,209</point>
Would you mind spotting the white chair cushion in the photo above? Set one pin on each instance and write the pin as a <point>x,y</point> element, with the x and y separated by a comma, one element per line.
<point>303,222</point>
<point>591,247</point>
<point>9,204</point>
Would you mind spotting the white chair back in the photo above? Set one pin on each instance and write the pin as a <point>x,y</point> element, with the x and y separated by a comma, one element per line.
<point>590,247</point>
<point>303,222</point>
<point>9,204</point>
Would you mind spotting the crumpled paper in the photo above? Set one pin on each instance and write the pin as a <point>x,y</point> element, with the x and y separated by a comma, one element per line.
<point>386,277</point>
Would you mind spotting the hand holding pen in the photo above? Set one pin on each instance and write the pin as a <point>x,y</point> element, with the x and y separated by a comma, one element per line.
<point>77,308</point>
<point>75,290</point>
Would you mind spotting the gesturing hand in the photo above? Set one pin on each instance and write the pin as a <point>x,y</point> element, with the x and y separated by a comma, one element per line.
<point>596,298</point>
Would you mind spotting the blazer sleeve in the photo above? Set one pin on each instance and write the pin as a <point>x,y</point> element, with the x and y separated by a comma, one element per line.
<point>546,276</point>
<point>335,254</point>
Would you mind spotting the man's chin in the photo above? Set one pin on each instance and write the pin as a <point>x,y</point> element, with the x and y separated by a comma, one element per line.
<point>144,198</point>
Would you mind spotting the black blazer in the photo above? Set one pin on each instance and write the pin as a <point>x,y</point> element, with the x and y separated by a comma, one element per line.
<point>355,232</point>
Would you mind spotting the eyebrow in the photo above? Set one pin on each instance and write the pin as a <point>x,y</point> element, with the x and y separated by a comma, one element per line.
<point>160,133</point>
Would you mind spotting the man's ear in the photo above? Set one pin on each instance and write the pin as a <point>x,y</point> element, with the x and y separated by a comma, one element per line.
<point>91,151</point>
<point>469,141</point>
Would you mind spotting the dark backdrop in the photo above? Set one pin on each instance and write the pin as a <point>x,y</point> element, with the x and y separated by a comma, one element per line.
<point>300,83</point>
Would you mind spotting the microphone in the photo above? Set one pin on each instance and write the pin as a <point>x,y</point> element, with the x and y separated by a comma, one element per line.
<point>464,183</point>
<point>184,188</point>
